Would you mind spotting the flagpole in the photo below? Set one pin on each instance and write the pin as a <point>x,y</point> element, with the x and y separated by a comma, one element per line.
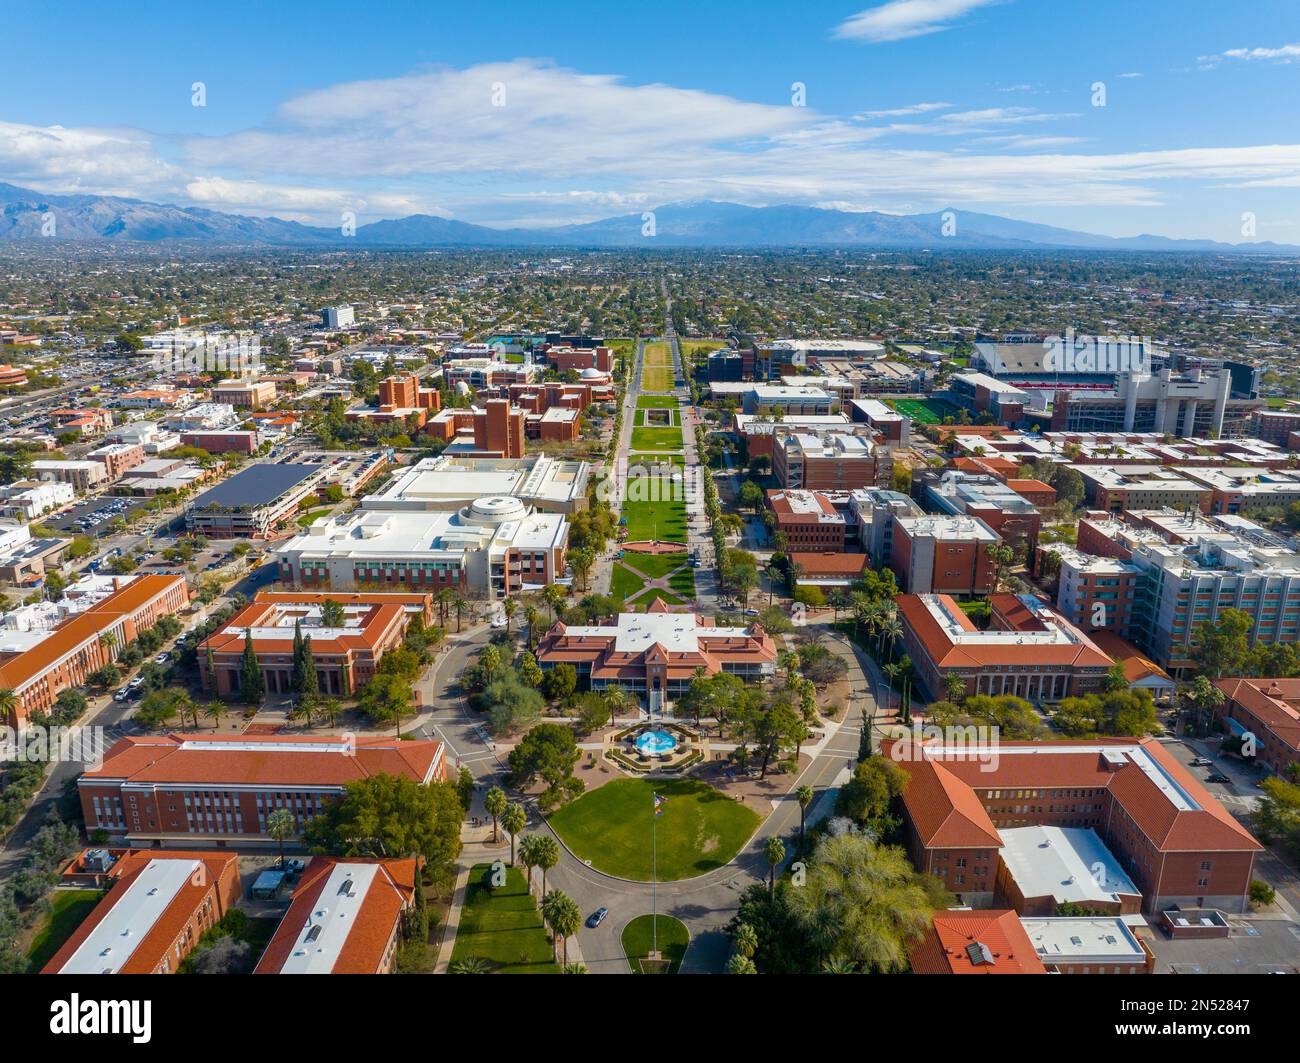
<point>654,876</point>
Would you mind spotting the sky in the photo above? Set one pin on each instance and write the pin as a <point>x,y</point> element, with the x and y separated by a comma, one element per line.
<point>1174,117</point>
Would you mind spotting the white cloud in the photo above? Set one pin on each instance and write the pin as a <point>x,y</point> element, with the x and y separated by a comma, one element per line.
<point>1287,53</point>
<point>903,112</point>
<point>900,19</point>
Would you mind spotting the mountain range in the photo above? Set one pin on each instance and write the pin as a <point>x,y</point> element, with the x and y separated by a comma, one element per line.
<point>25,215</point>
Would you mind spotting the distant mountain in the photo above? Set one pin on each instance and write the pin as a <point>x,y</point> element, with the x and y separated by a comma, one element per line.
<point>24,214</point>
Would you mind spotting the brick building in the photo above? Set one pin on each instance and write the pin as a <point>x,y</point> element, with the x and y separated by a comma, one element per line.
<point>209,790</point>
<point>1029,650</point>
<point>1270,710</point>
<point>1174,841</point>
<point>808,520</point>
<point>943,555</point>
<point>345,918</point>
<point>86,641</point>
<point>346,656</point>
<point>158,908</point>
<point>836,461</point>
<point>497,429</point>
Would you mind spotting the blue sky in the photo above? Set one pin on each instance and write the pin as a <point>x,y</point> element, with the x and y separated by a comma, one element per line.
<point>541,114</point>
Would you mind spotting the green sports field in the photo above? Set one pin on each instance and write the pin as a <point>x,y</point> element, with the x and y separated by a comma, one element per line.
<point>699,829</point>
<point>924,411</point>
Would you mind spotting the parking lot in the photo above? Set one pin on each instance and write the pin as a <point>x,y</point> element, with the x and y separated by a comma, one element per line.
<point>94,516</point>
<point>1253,946</point>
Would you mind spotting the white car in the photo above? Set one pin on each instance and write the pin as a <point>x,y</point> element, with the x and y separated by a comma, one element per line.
<point>499,621</point>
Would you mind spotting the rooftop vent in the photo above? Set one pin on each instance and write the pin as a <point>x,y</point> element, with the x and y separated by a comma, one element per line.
<point>978,953</point>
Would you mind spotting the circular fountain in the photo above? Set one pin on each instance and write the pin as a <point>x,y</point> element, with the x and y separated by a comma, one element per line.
<point>655,743</point>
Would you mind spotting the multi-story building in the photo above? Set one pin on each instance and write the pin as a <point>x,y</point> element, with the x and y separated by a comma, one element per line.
<point>338,317</point>
<point>493,547</point>
<point>808,519</point>
<point>1114,489</point>
<point>1276,426</point>
<point>974,941</point>
<point>759,432</point>
<point>1240,490</point>
<point>400,398</point>
<point>656,654</point>
<point>1195,403</point>
<point>245,394</point>
<point>776,358</point>
<point>562,359</point>
<point>81,475</point>
<point>798,401</point>
<point>29,499</point>
<point>231,442</point>
<point>154,399</point>
<point>874,509</point>
<point>982,394</point>
<point>118,458</point>
<point>88,420</point>
<point>995,503</point>
<point>1028,650</point>
<point>835,461</point>
<point>943,555</point>
<point>253,501</point>
<point>56,660</point>
<point>1095,593</point>
<point>366,901</point>
<point>453,481</point>
<point>894,428</point>
<point>208,790</point>
<point>158,908</point>
<point>346,654</point>
<point>1268,709</point>
<point>494,430</point>
<point>1189,570</point>
<point>1173,841</point>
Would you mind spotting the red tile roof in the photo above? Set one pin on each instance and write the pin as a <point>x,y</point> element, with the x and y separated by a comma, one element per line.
<point>363,951</point>
<point>1274,702</point>
<point>279,760</point>
<point>985,941</point>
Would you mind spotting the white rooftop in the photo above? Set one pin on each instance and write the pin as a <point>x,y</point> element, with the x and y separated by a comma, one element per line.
<point>111,943</point>
<point>1095,938</point>
<point>1070,864</point>
<point>676,632</point>
<point>321,939</point>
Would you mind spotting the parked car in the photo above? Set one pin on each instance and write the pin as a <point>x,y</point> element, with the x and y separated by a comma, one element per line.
<point>1217,776</point>
<point>597,917</point>
<point>162,658</point>
<point>122,695</point>
<point>1201,762</point>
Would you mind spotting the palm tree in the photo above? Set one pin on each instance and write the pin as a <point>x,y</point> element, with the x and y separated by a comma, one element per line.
<point>839,965</point>
<point>892,672</point>
<point>954,686</point>
<point>744,940</point>
<point>532,616</point>
<point>494,801</point>
<point>774,850</point>
<point>804,795</point>
<point>458,603</point>
<point>514,819</point>
<point>739,964</point>
<point>8,702</point>
<point>471,965</point>
<point>509,607</point>
<point>616,700</point>
<point>548,855</point>
<point>891,629</point>
<point>773,574</point>
<point>564,917</point>
<point>214,711</point>
<point>574,968</point>
<point>528,854</point>
<point>281,825</point>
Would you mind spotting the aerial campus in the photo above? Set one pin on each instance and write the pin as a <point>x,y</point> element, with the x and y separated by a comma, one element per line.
<point>715,588</point>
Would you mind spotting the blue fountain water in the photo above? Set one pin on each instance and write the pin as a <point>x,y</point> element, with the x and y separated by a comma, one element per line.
<point>653,743</point>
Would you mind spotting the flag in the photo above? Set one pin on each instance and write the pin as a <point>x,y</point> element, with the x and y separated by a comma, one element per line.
<point>659,804</point>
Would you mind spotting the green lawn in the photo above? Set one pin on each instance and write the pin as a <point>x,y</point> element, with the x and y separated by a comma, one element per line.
<point>68,911</point>
<point>503,926</point>
<point>665,521</point>
<point>657,378</point>
<point>656,459</point>
<point>623,583</point>
<point>656,438</point>
<point>700,828</point>
<point>656,566</point>
<point>658,354</point>
<point>656,402</point>
<point>644,418</point>
<point>309,518</point>
<point>924,411</point>
<point>672,938</point>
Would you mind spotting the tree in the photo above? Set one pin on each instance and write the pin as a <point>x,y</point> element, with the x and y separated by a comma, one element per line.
<point>280,826</point>
<point>392,816</point>
<point>750,496</point>
<point>804,795</point>
<point>744,940</point>
<point>546,855</point>
<point>868,796</point>
<point>616,700</point>
<point>510,703</point>
<point>529,845</point>
<point>332,613</point>
<point>862,902</point>
<point>954,686</point>
<point>214,711</point>
<point>514,819</point>
<point>560,682</point>
<point>1203,698</point>
<point>562,914</point>
<point>530,671</point>
<point>551,751</point>
<point>386,698</point>
<point>494,803</point>
<point>739,964</point>
<point>509,606</point>
<point>1221,647</point>
<point>252,687</point>
<point>774,852</point>
<point>582,562</point>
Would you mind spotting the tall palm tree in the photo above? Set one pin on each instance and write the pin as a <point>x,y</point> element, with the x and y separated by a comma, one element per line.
<point>745,940</point>
<point>458,603</point>
<point>739,964</point>
<point>773,574</point>
<point>528,854</point>
<point>494,801</point>
<point>514,819</point>
<point>616,700</point>
<point>8,702</point>
<point>562,913</point>
<point>548,855</point>
<point>280,826</point>
<point>509,607</point>
<point>891,629</point>
<point>774,850</point>
<point>804,795</point>
<point>214,710</point>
